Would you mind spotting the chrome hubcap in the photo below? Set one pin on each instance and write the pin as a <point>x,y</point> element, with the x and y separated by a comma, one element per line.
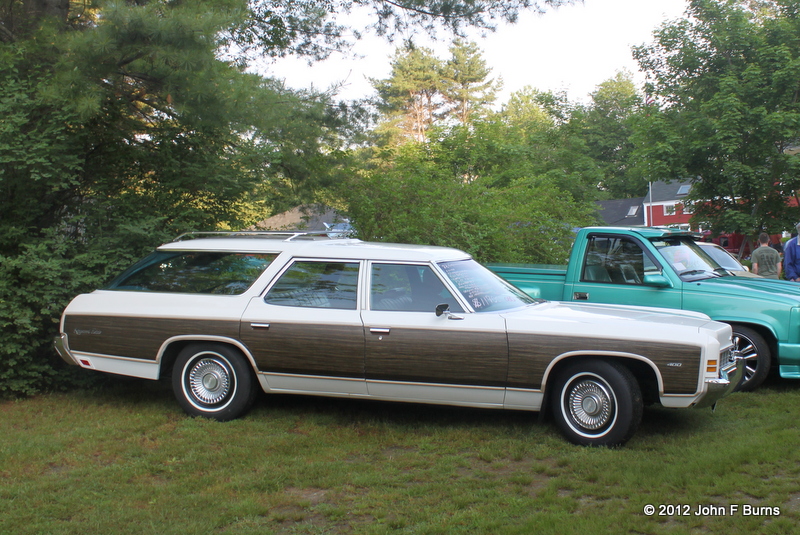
<point>209,381</point>
<point>590,404</point>
<point>744,348</point>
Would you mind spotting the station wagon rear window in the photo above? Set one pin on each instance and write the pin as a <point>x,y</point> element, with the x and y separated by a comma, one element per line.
<point>194,272</point>
<point>317,284</point>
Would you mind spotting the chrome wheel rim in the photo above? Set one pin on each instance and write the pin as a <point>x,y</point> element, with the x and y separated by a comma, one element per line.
<point>209,380</point>
<point>590,405</point>
<point>745,349</point>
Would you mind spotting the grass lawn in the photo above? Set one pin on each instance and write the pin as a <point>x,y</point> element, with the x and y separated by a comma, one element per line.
<point>125,459</point>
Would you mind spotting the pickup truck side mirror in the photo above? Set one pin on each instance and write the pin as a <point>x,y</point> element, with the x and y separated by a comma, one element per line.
<point>656,279</point>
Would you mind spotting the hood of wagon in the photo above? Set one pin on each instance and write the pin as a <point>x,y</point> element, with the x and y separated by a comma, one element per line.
<point>619,322</point>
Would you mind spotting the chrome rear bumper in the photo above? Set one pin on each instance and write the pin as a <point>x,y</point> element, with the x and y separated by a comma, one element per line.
<point>60,344</point>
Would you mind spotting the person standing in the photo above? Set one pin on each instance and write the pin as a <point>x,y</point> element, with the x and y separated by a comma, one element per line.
<point>766,260</point>
<point>791,258</point>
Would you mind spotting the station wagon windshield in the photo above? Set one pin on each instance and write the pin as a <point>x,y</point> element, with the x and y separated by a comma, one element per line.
<point>688,260</point>
<point>484,291</point>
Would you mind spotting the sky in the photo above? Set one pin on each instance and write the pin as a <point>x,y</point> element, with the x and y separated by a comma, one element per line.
<point>572,48</point>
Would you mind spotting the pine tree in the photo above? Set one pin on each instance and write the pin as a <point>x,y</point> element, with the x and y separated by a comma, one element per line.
<point>465,84</point>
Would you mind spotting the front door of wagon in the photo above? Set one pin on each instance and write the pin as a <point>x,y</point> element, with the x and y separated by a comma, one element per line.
<point>415,355</point>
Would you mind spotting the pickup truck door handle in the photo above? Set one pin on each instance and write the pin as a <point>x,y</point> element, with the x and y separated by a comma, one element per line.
<point>580,296</point>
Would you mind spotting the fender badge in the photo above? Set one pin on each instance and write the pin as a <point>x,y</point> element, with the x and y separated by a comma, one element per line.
<point>79,332</point>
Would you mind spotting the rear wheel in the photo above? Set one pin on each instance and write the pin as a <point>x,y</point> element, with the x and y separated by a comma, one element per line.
<point>597,403</point>
<point>752,347</point>
<point>214,381</point>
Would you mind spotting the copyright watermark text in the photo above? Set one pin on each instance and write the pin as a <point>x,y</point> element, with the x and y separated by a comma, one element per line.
<point>734,509</point>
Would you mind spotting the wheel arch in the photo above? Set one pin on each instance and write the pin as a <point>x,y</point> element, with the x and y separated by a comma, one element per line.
<point>643,369</point>
<point>766,332</point>
<point>172,347</point>
<point>596,401</point>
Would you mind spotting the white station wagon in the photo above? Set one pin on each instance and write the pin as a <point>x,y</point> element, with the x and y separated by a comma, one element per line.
<point>223,315</point>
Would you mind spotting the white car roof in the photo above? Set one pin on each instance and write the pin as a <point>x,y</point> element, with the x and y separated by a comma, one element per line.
<point>319,248</point>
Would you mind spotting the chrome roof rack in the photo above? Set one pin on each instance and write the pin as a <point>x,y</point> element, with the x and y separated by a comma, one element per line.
<point>283,235</point>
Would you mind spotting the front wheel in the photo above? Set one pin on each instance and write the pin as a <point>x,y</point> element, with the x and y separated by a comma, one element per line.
<point>214,381</point>
<point>597,403</point>
<point>752,347</point>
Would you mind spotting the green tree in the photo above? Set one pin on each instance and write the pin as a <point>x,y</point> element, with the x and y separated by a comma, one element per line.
<point>423,91</point>
<point>396,17</point>
<point>607,124</point>
<point>466,87</point>
<point>120,133</point>
<point>727,80</point>
<point>414,193</point>
<point>526,111</point>
<point>411,96</point>
<point>544,127</point>
<point>126,122</point>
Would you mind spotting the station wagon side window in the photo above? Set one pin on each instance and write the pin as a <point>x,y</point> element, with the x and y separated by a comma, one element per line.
<point>193,272</point>
<point>616,260</point>
<point>316,284</point>
<point>409,288</point>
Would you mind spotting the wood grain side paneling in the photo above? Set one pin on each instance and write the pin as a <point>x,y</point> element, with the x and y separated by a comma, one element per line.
<point>307,349</point>
<point>139,338</point>
<point>438,356</point>
<point>531,354</point>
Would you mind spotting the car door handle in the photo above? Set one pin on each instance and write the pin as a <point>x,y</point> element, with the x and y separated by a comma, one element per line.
<point>580,296</point>
<point>259,325</point>
<point>380,330</point>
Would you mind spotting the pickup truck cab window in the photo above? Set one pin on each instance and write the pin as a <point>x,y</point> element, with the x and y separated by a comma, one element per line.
<point>616,260</point>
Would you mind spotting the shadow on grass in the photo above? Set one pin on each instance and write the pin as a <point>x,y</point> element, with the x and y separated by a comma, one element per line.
<point>121,391</point>
<point>776,383</point>
<point>658,423</point>
<point>344,410</point>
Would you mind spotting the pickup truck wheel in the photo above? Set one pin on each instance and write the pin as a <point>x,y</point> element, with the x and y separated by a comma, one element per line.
<point>597,403</point>
<point>214,381</point>
<point>751,346</point>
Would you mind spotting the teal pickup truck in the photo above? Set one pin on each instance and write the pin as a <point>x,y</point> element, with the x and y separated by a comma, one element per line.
<point>665,268</point>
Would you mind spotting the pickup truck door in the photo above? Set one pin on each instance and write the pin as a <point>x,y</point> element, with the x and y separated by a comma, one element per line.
<point>620,270</point>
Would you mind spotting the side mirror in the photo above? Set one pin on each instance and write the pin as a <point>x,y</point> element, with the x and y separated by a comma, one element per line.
<point>443,309</point>
<point>656,279</point>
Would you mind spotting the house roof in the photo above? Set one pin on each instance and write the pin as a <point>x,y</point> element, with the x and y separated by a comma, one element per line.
<point>668,191</point>
<point>622,212</point>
